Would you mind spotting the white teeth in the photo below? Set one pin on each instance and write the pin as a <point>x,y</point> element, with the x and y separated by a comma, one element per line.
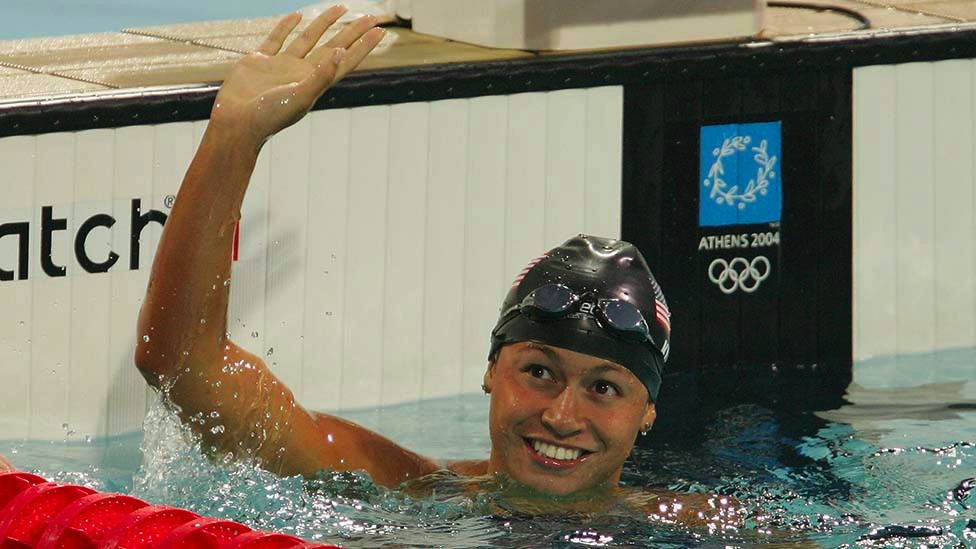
<point>556,452</point>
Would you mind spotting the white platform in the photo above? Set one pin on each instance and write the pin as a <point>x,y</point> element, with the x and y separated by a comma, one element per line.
<point>585,24</point>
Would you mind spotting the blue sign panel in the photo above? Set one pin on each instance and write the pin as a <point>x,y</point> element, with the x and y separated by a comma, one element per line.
<point>740,174</point>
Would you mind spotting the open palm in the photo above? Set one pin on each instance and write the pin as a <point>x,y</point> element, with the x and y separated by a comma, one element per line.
<point>272,89</point>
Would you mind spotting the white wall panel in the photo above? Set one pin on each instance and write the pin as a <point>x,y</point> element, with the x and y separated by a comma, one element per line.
<point>287,244</point>
<point>365,257</point>
<point>91,293</point>
<point>444,257</point>
<point>376,245</point>
<point>913,208</point>
<point>955,290</point>
<point>406,244</point>
<point>327,217</point>
<point>874,212</point>
<point>133,178</point>
<point>485,278</point>
<point>16,155</point>
<point>525,220</point>
<point>565,165</point>
<point>51,330</point>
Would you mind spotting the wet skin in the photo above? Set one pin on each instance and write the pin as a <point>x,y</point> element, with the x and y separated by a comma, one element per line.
<point>233,401</point>
<point>5,465</point>
<point>544,394</point>
<point>231,398</point>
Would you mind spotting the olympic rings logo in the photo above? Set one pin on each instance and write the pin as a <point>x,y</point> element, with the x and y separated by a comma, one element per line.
<point>739,274</point>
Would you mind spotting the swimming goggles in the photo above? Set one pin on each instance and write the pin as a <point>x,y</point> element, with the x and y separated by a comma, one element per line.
<point>557,301</point>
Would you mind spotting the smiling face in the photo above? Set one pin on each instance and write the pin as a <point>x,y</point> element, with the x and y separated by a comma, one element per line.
<point>562,421</point>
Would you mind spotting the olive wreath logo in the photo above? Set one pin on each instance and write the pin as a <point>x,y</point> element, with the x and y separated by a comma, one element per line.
<point>732,196</point>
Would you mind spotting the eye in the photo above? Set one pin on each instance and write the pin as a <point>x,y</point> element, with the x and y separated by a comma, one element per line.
<point>538,372</point>
<point>604,387</point>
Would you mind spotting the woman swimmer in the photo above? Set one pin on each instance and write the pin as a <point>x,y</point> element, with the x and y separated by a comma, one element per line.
<point>574,368</point>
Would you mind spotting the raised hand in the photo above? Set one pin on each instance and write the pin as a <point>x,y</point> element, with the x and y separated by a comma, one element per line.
<point>272,89</point>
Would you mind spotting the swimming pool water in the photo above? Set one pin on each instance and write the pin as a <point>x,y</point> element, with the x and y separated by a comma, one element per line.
<point>893,468</point>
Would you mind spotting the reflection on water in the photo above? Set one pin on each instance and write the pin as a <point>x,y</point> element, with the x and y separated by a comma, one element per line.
<point>893,467</point>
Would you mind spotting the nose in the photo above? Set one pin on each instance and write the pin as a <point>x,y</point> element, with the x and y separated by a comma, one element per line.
<point>562,417</point>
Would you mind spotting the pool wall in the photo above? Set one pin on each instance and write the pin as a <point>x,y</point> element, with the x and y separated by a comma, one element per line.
<point>367,275</point>
<point>375,245</point>
<point>914,225</point>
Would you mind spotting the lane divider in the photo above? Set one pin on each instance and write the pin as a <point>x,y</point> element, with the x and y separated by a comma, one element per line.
<point>36,514</point>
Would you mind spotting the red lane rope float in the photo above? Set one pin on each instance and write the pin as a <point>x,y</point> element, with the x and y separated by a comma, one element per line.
<point>207,533</point>
<point>35,514</point>
<point>84,522</point>
<point>262,540</point>
<point>28,514</point>
<point>12,484</point>
<point>143,528</point>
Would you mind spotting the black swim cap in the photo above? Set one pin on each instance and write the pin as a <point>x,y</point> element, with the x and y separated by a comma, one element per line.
<point>594,296</point>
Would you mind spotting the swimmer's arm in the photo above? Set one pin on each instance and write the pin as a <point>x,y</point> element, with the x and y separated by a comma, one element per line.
<point>6,466</point>
<point>183,321</point>
<point>226,394</point>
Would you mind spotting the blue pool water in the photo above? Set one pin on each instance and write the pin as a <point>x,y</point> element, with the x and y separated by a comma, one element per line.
<point>35,18</point>
<point>894,467</point>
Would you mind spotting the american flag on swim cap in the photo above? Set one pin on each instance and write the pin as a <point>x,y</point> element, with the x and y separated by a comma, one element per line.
<point>661,307</point>
<point>525,271</point>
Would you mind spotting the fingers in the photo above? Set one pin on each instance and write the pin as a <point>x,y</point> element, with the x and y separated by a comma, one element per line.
<point>334,60</point>
<point>352,32</point>
<point>322,77</point>
<point>300,46</point>
<point>358,51</point>
<point>352,56</point>
<point>272,44</point>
